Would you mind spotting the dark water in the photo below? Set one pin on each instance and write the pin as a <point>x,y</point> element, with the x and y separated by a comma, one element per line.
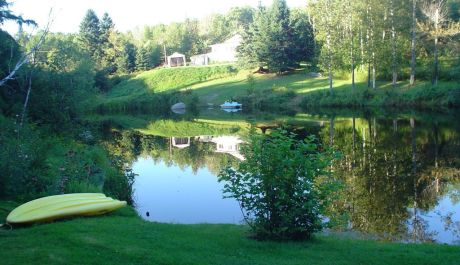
<point>402,171</point>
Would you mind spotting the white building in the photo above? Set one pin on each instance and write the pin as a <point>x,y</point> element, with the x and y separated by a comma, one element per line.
<point>180,142</point>
<point>228,145</point>
<point>176,59</point>
<point>224,144</point>
<point>226,51</point>
<point>220,52</point>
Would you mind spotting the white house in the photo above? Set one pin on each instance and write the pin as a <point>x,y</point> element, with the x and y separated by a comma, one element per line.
<point>200,59</point>
<point>180,142</point>
<point>220,52</point>
<point>225,51</point>
<point>228,145</point>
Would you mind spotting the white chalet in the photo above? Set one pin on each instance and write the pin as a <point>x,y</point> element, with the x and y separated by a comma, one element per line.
<point>220,52</point>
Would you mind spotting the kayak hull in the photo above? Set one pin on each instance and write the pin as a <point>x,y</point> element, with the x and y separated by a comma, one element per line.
<point>63,206</point>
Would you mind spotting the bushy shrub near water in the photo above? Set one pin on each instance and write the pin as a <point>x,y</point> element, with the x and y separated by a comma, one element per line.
<point>284,186</point>
<point>35,164</point>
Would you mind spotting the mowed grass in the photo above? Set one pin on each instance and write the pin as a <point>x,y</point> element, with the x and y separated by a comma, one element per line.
<point>168,80</point>
<point>123,238</point>
<point>316,92</point>
<point>215,84</point>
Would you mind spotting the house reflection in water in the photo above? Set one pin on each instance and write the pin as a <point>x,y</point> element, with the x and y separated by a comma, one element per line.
<point>224,144</point>
<point>180,142</point>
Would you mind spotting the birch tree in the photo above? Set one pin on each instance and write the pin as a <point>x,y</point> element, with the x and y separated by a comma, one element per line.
<point>413,40</point>
<point>437,26</point>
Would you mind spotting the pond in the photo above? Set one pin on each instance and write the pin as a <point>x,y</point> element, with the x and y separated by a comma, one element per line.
<point>401,170</point>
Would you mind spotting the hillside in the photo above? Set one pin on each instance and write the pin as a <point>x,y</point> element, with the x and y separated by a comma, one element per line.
<point>215,84</point>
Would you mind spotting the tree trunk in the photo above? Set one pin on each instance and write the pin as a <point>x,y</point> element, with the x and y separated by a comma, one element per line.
<point>26,101</point>
<point>414,34</point>
<point>351,49</point>
<point>393,46</point>
<point>328,44</point>
<point>372,46</point>
<point>368,45</point>
<point>436,64</point>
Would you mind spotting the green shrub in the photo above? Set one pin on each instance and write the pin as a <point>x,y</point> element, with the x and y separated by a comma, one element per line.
<point>284,186</point>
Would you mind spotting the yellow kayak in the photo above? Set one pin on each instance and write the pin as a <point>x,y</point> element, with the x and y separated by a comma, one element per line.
<point>63,206</point>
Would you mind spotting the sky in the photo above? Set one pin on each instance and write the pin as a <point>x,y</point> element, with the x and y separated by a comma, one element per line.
<point>127,15</point>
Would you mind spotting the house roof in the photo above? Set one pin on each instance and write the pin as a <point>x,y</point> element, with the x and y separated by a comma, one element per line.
<point>176,54</point>
<point>235,39</point>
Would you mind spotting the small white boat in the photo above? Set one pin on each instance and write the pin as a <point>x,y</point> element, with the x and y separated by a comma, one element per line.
<point>231,105</point>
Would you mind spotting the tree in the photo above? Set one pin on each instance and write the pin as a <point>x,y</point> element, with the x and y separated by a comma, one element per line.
<point>240,18</point>
<point>303,48</point>
<point>107,27</point>
<point>90,34</point>
<point>436,27</point>
<point>142,59</point>
<point>276,40</point>
<point>126,62</point>
<point>6,14</point>
<point>413,40</point>
<point>283,186</point>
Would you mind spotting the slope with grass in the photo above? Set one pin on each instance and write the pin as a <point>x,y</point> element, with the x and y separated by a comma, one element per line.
<point>215,84</point>
<point>151,83</point>
<point>123,238</point>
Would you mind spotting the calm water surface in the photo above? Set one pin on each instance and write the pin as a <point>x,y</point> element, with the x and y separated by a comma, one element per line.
<point>401,173</point>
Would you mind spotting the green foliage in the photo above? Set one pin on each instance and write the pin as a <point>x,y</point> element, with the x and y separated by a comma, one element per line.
<point>276,39</point>
<point>90,34</point>
<point>284,185</point>
<point>423,95</point>
<point>120,186</point>
<point>9,52</point>
<point>22,161</point>
<point>6,14</point>
<point>126,63</point>
<point>142,59</point>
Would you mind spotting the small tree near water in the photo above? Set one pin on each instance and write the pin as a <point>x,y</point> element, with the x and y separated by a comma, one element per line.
<point>284,186</point>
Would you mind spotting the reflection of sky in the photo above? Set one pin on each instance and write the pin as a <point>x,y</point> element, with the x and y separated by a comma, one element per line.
<point>173,195</point>
<point>444,221</point>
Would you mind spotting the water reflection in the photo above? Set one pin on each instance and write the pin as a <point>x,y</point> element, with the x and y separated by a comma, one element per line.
<point>173,194</point>
<point>401,175</point>
<point>397,173</point>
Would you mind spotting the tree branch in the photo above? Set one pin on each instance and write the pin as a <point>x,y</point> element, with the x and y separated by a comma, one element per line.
<point>26,57</point>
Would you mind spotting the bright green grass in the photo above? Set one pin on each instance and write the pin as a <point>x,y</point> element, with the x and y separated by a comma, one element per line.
<point>168,79</point>
<point>123,238</point>
<point>215,84</point>
<point>172,128</point>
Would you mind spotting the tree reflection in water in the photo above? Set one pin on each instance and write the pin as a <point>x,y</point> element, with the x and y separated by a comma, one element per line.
<point>401,175</point>
<point>396,171</point>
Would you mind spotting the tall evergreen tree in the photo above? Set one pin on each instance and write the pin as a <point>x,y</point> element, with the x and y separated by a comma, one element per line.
<point>280,38</point>
<point>276,41</point>
<point>90,33</point>
<point>142,59</point>
<point>107,28</point>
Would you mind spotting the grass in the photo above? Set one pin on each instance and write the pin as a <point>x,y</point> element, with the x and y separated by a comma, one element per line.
<point>215,84</point>
<point>123,238</point>
<point>166,80</point>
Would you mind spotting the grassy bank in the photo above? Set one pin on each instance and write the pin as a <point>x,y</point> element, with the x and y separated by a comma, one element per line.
<point>296,89</point>
<point>123,238</point>
<point>150,87</point>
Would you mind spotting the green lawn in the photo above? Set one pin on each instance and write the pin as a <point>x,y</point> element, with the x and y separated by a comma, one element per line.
<point>123,238</point>
<point>215,84</point>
